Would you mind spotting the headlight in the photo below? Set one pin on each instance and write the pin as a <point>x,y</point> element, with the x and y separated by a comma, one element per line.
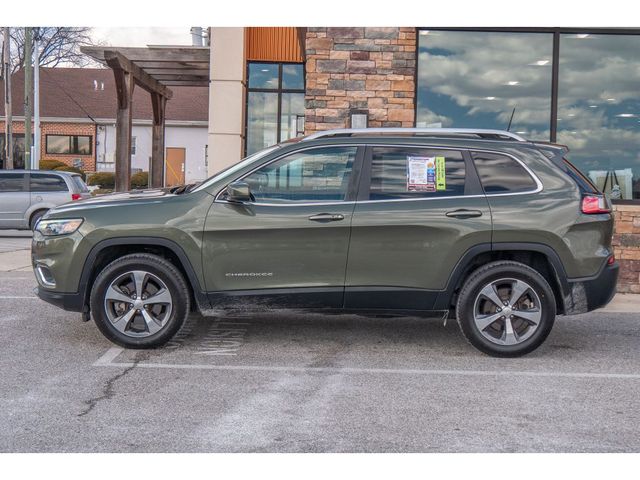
<point>52,228</point>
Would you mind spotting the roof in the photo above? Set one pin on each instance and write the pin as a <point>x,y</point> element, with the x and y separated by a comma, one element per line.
<point>72,93</point>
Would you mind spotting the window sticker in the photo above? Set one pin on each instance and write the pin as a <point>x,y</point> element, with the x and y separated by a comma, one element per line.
<point>421,174</point>
<point>441,177</point>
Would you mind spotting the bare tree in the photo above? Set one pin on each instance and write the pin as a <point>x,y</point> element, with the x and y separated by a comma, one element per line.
<point>58,46</point>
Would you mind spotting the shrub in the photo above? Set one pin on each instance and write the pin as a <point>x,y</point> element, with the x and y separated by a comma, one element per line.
<point>140,180</point>
<point>101,191</point>
<point>106,180</point>
<point>51,164</point>
<point>67,168</point>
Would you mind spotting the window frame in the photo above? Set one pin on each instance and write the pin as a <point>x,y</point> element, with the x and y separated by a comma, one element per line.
<point>352,188</point>
<point>46,144</point>
<point>279,90</point>
<point>556,32</point>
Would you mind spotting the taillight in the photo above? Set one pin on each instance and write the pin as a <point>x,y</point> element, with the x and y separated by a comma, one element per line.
<point>592,204</point>
<point>76,196</point>
<point>611,260</point>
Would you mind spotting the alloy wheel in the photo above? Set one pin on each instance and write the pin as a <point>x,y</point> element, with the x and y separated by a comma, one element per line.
<point>507,311</point>
<point>138,303</point>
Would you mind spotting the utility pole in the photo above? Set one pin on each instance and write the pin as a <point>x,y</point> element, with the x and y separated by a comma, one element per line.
<point>35,159</point>
<point>28,96</point>
<point>8,119</point>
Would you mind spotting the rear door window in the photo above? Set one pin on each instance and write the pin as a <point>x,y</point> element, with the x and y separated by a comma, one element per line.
<point>405,172</point>
<point>12,182</point>
<point>502,174</point>
<point>42,182</point>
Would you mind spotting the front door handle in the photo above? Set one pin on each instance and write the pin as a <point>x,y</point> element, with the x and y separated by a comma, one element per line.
<point>464,213</point>
<point>326,217</point>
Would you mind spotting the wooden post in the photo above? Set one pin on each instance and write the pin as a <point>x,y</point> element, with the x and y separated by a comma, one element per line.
<point>159,103</point>
<point>127,75</point>
<point>124,88</point>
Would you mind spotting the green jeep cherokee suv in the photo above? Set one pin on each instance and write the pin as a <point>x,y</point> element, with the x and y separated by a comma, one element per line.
<point>501,232</point>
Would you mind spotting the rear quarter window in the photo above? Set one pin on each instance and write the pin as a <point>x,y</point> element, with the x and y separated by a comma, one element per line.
<point>79,184</point>
<point>42,182</point>
<point>502,174</point>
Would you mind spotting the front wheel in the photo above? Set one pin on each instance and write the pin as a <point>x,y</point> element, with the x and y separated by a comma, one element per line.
<point>506,309</point>
<point>140,301</point>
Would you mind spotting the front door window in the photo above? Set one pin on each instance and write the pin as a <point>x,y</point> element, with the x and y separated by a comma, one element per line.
<point>310,176</point>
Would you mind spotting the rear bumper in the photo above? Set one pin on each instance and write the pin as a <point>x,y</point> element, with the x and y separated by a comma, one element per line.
<point>72,302</point>
<point>587,294</point>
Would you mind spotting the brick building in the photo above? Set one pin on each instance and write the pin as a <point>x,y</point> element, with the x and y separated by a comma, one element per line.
<point>77,109</point>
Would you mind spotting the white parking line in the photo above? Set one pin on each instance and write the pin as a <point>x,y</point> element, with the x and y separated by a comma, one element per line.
<point>106,360</point>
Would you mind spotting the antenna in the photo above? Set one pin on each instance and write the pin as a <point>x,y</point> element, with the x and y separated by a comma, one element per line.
<point>511,119</point>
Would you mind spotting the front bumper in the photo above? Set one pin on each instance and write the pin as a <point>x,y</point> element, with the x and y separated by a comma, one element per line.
<point>587,294</point>
<point>72,302</point>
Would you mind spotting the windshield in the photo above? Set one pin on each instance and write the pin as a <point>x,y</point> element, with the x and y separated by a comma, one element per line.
<point>235,168</point>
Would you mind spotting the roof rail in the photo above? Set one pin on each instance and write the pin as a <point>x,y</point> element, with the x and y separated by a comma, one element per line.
<point>482,133</point>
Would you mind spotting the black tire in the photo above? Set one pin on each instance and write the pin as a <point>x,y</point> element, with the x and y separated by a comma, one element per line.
<point>163,270</point>
<point>35,218</point>
<point>493,272</point>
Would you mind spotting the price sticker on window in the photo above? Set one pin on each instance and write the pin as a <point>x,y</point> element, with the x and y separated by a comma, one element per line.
<point>426,174</point>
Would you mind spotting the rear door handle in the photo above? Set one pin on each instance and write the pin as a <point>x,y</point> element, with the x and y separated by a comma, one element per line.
<point>326,217</point>
<point>464,213</point>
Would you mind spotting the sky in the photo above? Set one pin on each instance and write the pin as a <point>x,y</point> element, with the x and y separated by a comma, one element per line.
<point>141,36</point>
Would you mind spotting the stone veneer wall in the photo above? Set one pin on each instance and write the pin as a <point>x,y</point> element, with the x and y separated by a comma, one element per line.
<point>357,70</point>
<point>626,244</point>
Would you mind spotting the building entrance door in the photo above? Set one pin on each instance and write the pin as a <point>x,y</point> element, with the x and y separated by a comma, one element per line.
<point>175,158</point>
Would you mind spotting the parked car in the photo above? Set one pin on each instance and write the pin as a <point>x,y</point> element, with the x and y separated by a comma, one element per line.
<point>26,195</point>
<point>500,232</point>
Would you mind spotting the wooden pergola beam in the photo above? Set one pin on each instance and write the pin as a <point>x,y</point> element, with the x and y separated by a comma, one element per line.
<point>186,83</point>
<point>151,54</point>
<point>116,60</point>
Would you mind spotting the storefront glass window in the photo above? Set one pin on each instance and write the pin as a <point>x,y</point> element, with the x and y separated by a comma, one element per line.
<point>599,109</point>
<point>275,104</point>
<point>485,80</point>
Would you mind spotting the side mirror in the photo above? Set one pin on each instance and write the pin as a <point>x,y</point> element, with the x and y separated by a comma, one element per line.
<point>238,192</point>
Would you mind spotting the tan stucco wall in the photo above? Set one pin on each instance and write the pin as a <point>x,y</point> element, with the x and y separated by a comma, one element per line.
<point>226,97</point>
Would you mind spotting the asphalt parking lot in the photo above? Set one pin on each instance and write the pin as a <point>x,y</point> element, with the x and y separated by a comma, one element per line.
<point>308,383</point>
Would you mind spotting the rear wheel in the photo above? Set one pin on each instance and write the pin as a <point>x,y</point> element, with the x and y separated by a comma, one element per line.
<point>140,301</point>
<point>506,309</point>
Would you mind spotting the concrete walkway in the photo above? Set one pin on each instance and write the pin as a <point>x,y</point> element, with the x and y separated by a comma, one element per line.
<point>15,251</point>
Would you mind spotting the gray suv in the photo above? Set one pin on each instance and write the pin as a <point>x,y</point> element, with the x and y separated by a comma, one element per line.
<point>26,195</point>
